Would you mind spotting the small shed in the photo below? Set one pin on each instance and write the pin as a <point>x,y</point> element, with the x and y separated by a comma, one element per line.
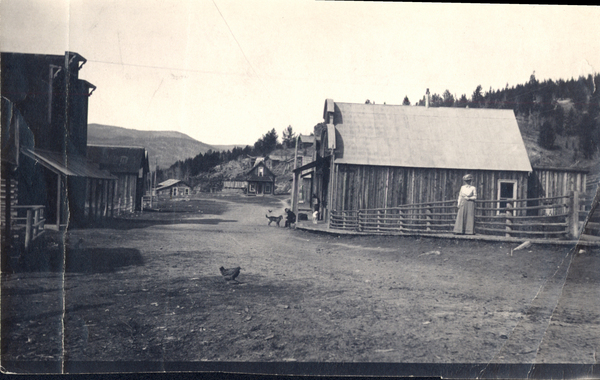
<point>173,188</point>
<point>130,165</point>
<point>380,156</point>
<point>260,180</point>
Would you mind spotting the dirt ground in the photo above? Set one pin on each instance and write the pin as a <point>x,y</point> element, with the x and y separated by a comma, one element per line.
<point>148,288</point>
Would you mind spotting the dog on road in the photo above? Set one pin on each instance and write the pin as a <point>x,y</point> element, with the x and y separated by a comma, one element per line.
<point>275,219</point>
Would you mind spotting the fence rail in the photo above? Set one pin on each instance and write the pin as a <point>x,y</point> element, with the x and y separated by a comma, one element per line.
<point>556,217</point>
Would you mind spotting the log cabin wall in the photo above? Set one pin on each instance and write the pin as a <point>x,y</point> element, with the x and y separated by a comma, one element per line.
<point>365,187</point>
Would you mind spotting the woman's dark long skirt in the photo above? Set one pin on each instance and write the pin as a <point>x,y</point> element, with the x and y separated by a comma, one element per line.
<point>465,219</point>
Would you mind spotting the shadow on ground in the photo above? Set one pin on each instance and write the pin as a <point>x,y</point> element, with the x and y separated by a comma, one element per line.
<point>144,222</point>
<point>89,260</point>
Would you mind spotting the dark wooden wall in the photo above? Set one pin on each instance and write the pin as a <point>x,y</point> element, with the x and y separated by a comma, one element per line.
<point>364,187</point>
<point>556,183</point>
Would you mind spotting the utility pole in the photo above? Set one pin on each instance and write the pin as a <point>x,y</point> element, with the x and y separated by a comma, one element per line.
<point>295,181</point>
<point>153,189</point>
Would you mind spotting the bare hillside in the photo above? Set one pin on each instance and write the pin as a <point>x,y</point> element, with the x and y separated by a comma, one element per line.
<point>164,147</point>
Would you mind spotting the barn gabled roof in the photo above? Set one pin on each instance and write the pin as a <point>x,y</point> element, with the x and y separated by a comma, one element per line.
<point>252,175</point>
<point>425,137</point>
<point>307,139</point>
<point>169,183</point>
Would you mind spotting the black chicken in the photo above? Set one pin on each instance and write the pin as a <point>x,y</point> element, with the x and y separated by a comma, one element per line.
<point>230,273</point>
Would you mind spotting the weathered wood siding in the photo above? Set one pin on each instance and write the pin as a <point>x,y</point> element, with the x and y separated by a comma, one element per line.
<point>365,187</point>
<point>5,186</point>
<point>556,183</point>
<point>234,184</point>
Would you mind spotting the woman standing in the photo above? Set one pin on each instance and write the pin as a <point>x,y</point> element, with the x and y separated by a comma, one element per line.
<point>465,219</point>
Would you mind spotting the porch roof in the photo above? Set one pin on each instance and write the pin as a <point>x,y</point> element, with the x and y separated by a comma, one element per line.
<point>72,165</point>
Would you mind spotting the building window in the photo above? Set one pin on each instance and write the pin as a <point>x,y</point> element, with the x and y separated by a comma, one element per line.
<point>507,191</point>
<point>267,188</point>
<point>261,171</point>
<point>187,191</point>
<point>251,188</point>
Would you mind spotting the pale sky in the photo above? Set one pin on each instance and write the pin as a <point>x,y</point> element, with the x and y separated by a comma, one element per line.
<point>226,72</point>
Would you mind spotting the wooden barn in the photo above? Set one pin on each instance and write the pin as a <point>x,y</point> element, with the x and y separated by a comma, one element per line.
<point>173,188</point>
<point>379,156</point>
<point>131,167</point>
<point>260,179</point>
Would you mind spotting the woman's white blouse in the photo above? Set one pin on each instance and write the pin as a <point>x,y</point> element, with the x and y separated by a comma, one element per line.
<point>467,192</point>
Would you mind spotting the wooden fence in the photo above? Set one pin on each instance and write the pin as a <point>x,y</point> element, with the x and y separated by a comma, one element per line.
<point>553,218</point>
<point>589,218</point>
<point>29,223</point>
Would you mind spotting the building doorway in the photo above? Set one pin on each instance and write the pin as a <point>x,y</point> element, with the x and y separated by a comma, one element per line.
<point>507,192</point>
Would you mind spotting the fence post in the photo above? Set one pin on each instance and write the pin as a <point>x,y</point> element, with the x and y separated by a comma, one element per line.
<point>379,220</point>
<point>28,226</point>
<point>508,218</point>
<point>428,217</point>
<point>41,216</point>
<point>358,221</point>
<point>36,219</point>
<point>573,215</point>
<point>401,219</point>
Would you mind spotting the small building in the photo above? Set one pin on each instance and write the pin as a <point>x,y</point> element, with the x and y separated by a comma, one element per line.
<point>173,188</point>
<point>260,179</point>
<point>131,167</point>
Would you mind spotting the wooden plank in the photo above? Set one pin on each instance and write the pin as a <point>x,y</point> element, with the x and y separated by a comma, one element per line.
<point>592,225</point>
<point>105,198</point>
<point>516,232</point>
<point>343,196</point>
<point>386,186</point>
<point>589,237</point>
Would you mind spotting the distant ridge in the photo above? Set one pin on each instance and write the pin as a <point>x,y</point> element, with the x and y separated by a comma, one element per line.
<point>164,147</point>
<point>228,147</point>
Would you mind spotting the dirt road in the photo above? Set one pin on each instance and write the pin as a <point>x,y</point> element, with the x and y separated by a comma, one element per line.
<point>148,289</point>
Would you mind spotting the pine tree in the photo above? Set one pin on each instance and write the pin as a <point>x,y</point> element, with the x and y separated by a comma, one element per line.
<point>476,98</point>
<point>588,135</point>
<point>547,136</point>
<point>448,99</point>
<point>288,137</point>
<point>462,101</point>
<point>571,123</point>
